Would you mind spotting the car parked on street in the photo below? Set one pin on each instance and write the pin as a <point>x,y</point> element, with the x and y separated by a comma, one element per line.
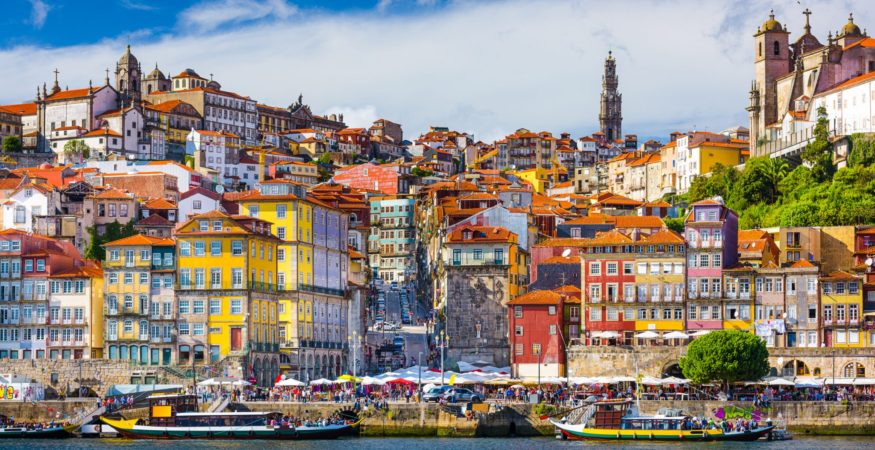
<point>434,394</point>
<point>457,395</point>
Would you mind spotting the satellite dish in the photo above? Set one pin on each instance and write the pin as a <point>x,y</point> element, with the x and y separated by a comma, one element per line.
<point>567,252</point>
<point>220,189</point>
<point>869,262</point>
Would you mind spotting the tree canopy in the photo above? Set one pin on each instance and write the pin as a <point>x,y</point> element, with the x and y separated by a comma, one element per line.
<point>77,150</point>
<point>114,231</point>
<point>11,144</point>
<point>726,356</point>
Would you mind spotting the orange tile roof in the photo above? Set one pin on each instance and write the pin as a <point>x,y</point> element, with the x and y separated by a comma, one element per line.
<point>657,204</point>
<point>562,242</point>
<point>478,196</point>
<point>664,236</point>
<point>168,106</point>
<point>561,260</point>
<point>750,235</point>
<point>22,109</point>
<point>140,239</point>
<point>612,237</point>
<point>103,132</point>
<point>113,193</point>
<point>620,200</point>
<point>646,159</point>
<point>72,93</point>
<point>159,203</point>
<point>537,298</point>
<point>481,234</point>
<point>801,264</point>
<point>852,82</point>
<point>865,43</point>
<point>839,275</point>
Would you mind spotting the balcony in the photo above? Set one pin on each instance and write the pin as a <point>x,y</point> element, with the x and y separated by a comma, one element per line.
<point>321,290</point>
<point>66,321</point>
<point>167,339</point>
<point>654,299</point>
<point>679,298</point>
<point>144,337</point>
<point>111,337</point>
<point>155,340</point>
<point>8,321</point>
<point>732,295</point>
<point>853,321</point>
<point>155,316</point>
<point>262,287</point>
<point>693,244</point>
<point>827,322</point>
<point>33,320</point>
<point>79,321</point>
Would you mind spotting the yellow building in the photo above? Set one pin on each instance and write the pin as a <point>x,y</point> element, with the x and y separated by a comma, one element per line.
<point>738,298</point>
<point>227,294</point>
<point>841,300</point>
<point>312,272</point>
<point>76,302</point>
<point>139,308</point>
<point>659,282</point>
<point>542,179</point>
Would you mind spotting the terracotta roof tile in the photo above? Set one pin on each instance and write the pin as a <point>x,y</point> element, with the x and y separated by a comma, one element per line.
<point>140,239</point>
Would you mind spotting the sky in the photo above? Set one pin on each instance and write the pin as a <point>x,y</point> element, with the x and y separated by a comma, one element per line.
<point>485,67</point>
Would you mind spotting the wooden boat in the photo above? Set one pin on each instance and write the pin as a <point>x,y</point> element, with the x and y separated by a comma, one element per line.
<point>176,417</point>
<point>617,420</point>
<point>14,432</point>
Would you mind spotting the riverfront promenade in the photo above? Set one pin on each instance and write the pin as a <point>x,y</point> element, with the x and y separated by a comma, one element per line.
<point>412,419</point>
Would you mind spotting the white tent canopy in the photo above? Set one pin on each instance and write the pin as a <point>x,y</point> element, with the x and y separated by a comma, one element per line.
<point>676,335</point>
<point>321,381</point>
<point>700,333</point>
<point>647,335</point>
<point>781,382</point>
<point>291,382</point>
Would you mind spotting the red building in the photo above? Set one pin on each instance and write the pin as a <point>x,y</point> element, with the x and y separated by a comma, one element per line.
<point>387,179</point>
<point>607,260</point>
<point>537,326</point>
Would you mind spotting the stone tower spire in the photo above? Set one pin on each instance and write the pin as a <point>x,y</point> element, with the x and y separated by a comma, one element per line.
<point>610,109</point>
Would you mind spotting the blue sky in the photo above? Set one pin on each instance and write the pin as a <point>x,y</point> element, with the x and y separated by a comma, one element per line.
<point>483,66</point>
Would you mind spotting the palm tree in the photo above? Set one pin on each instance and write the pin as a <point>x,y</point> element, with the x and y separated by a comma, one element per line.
<point>774,170</point>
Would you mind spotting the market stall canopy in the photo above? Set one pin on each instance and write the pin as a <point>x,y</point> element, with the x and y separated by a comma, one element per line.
<point>808,382</point>
<point>651,381</point>
<point>676,335</point>
<point>607,335</point>
<point>369,381</point>
<point>320,382</point>
<point>127,389</point>
<point>290,382</point>
<point>647,335</point>
<point>781,382</point>
<point>674,380</point>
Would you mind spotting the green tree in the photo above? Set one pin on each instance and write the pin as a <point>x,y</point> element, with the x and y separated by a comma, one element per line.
<point>818,153</point>
<point>675,224</point>
<point>726,356</point>
<point>76,150</point>
<point>418,172</point>
<point>113,232</point>
<point>11,144</point>
<point>862,150</point>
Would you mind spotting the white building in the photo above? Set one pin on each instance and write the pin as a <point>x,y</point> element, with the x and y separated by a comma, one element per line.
<point>34,199</point>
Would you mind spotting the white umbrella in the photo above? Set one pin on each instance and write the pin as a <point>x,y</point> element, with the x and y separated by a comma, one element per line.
<point>609,335</point>
<point>676,335</point>
<point>650,381</point>
<point>209,382</point>
<point>864,381</point>
<point>320,381</point>
<point>700,333</point>
<point>675,380</point>
<point>290,382</point>
<point>809,382</point>
<point>369,381</point>
<point>647,335</point>
<point>781,382</point>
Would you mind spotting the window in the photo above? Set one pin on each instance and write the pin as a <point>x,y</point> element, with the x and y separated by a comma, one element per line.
<point>237,307</point>
<point>184,248</point>
<point>595,314</point>
<point>281,211</point>
<point>551,310</point>
<point>199,248</point>
<point>552,329</point>
<point>627,268</point>
<point>237,278</point>
<point>518,312</point>
<point>518,330</point>
<point>196,204</point>
<point>777,48</point>
<point>716,260</point>
<point>129,278</point>
<point>612,268</point>
<point>197,307</point>
<point>595,268</point>
<point>183,306</point>
<point>215,248</point>
<point>197,329</point>
<point>183,330</point>
<point>113,255</point>
<point>281,232</point>
<point>478,254</point>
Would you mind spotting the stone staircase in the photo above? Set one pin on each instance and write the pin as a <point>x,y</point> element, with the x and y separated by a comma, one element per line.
<point>219,404</point>
<point>580,415</point>
<point>86,417</point>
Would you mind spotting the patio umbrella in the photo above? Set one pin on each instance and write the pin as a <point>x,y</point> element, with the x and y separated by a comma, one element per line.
<point>781,382</point>
<point>676,335</point>
<point>609,335</point>
<point>209,382</point>
<point>700,333</point>
<point>651,381</point>
<point>647,335</point>
<point>674,380</point>
<point>290,382</point>
<point>240,383</point>
<point>369,381</point>
<point>320,381</point>
<point>517,386</point>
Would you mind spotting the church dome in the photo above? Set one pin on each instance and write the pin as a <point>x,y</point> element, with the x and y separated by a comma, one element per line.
<point>156,74</point>
<point>850,28</point>
<point>128,58</point>
<point>772,24</point>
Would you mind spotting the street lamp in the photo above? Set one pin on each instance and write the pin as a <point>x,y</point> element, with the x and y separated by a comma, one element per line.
<point>442,341</point>
<point>355,342</point>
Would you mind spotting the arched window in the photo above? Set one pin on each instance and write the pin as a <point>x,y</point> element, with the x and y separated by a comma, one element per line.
<point>761,49</point>
<point>777,48</point>
<point>854,370</point>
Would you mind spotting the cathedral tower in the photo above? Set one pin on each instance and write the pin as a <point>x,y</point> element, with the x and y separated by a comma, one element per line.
<point>611,105</point>
<point>127,78</point>
<point>772,47</point>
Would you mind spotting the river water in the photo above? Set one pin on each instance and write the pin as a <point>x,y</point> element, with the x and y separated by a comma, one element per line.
<point>800,443</point>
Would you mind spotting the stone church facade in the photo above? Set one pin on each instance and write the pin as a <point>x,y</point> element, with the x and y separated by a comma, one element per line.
<point>477,314</point>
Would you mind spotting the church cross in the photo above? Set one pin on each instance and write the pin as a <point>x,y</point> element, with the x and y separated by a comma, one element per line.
<point>807,13</point>
<point>56,74</point>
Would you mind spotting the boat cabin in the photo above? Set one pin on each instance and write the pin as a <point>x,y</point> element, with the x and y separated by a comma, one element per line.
<point>228,419</point>
<point>609,414</point>
<point>164,408</point>
<point>652,423</point>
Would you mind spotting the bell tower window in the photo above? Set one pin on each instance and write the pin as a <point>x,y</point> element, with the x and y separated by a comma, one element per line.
<point>777,48</point>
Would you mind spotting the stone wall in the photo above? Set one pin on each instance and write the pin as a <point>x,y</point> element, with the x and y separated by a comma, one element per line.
<point>46,411</point>
<point>476,298</point>
<point>64,375</point>
<point>24,160</point>
<point>656,361</point>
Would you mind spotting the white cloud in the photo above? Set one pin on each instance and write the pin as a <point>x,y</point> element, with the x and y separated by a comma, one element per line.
<point>138,6</point>
<point>383,5</point>
<point>486,68</point>
<point>208,16</point>
<point>39,12</point>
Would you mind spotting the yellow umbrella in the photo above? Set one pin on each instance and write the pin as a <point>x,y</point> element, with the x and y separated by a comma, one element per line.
<point>347,377</point>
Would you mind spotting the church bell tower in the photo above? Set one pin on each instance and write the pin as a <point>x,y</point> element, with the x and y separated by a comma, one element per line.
<point>610,109</point>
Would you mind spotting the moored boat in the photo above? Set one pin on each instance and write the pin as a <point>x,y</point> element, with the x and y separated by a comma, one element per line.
<point>19,432</point>
<point>618,420</point>
<point>176,417</point>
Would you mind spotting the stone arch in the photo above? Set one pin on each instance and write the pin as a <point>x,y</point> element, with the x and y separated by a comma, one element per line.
<point>338,369</point>
<point>256,368</point>
<point>317,368</point>
<point>854,370</point>
<point>274,370</point>
<point>309,370</point>
<point>795,367</point>
<point>672,369</point>
<point>816,371</point>
<point>265,372</point>
<point>773,371</point>
<point>324,366</point>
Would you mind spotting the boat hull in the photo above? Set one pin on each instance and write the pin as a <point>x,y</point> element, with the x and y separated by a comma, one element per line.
<point>51,433</point>
<point>129,429</point>
<point>579,432</point>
